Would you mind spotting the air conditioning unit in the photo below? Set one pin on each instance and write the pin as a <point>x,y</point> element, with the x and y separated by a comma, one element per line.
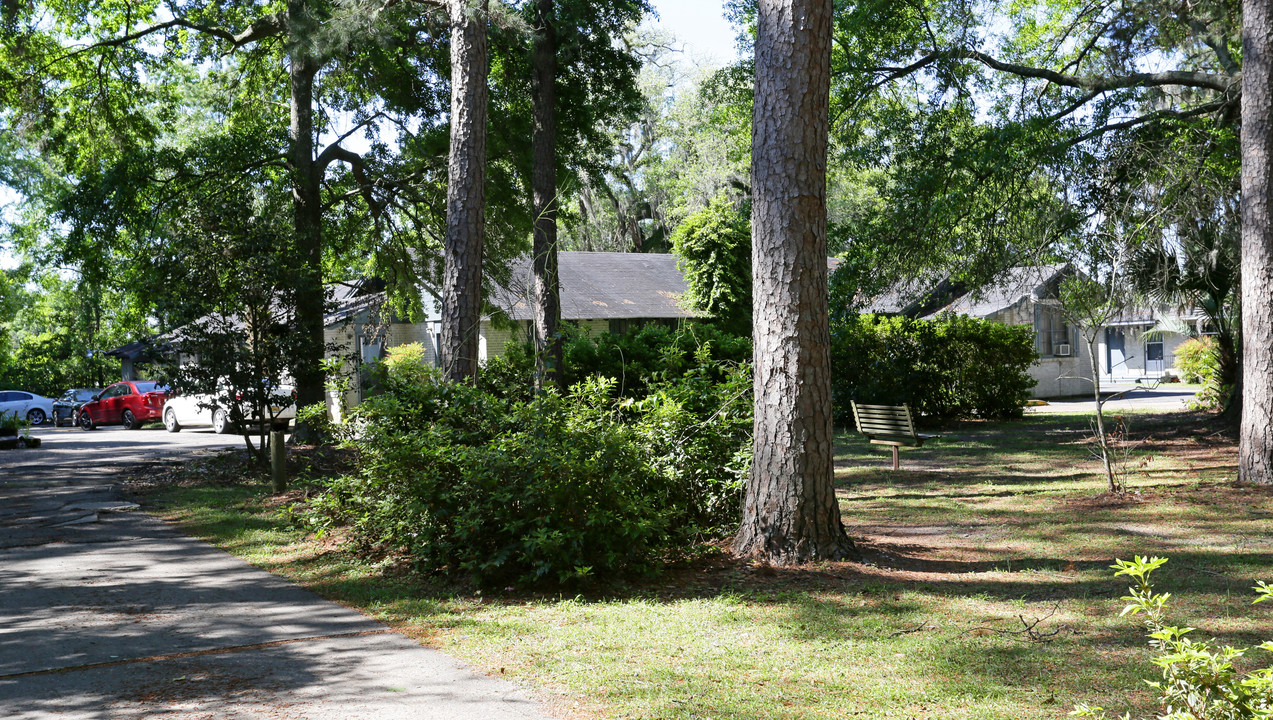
<point>1061,350</point>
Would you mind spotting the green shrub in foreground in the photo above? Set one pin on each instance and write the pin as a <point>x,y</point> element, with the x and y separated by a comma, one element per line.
<point>1199,681</point>
<point>462,481</point>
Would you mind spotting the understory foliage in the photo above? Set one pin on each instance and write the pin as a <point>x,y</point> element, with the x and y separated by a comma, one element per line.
<point>637,360</point>
<point>1199,681</point>
<point>1196,359</point>
<point>949,367</point>
<point>507,491</point>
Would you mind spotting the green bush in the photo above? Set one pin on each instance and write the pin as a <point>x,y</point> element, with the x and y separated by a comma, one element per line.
<point>1199,682</point>
<point>652,353</point>
<point>1198,360</point>
<point>464,481</point>
<point>949,367</point>
<point>696,432</point>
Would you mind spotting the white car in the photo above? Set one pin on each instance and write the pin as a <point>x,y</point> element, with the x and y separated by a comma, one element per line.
<point>35,408</point>
<point>182,411</point>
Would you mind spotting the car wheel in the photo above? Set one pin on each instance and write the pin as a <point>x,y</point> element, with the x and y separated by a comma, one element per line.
<point>221,422</point>
<point>36,416</point>
<point>170,421</point>
<point>86,421</point>
<point>57,419</point>
<point>129,420</point>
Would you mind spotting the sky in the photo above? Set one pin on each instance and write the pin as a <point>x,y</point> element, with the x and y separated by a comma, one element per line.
<point>700,26</point>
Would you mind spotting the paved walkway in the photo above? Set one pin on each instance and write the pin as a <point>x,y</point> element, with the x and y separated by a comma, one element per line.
<point>1163,398</point>
<point>108,613</point>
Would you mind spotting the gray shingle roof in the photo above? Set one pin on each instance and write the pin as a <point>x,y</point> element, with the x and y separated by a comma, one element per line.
<point>604,286</point>
<point>1009,288</point>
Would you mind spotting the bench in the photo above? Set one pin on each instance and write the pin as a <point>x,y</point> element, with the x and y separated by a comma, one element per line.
<point>889,425</point>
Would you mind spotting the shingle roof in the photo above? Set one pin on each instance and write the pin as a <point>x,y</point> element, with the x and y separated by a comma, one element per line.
<point>1009,288</point>
<point>604,285</point>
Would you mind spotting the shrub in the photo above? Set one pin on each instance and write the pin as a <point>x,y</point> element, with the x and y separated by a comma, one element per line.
<point>1199,682</point>
<point>1198,360</point>
<point>650,354</point>
<point>461,480</point>
<point>696,432</point>
<point>953,366</point>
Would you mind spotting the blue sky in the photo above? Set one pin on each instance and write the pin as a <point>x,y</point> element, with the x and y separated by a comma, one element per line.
<point>700,25</point>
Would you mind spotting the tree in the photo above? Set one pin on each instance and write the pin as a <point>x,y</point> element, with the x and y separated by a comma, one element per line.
<point>1091,305</point>
<point>56,48</point>
<point>713,249</point>
<point>790,510</point>
<point>545,291</point>
<point>466,189</point>
<point>1255,443</point>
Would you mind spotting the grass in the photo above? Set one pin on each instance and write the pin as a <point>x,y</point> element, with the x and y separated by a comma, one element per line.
<point>984,591</point>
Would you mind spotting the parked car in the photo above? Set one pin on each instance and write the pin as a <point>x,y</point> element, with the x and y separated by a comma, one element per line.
<point>181,411</point>
<point>35,408</point>
<point>65,407</point>
<point>130,404</point>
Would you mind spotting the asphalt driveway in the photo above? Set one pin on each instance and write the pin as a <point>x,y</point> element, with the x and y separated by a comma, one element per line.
<point>106,612</point>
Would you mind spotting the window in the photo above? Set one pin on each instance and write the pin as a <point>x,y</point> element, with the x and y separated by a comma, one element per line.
<point>1051,330</point>
<point>20,396</point>
<point>145,387</point>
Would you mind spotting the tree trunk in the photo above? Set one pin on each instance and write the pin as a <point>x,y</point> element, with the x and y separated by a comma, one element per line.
<point>790,512</point>
<point>546,298</point>
<point>466,191</point>
<point>1255,443</point>
<point>307,212</point>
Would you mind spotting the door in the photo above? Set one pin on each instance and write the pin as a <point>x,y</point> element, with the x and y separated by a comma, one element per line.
<point>1154,364</point>
<point>1116,355</point>
<point>112,406</point>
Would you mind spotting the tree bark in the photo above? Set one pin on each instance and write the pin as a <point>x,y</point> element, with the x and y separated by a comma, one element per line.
<point>1255,443</point>
<point>307,213</point>
<point>466,190</point>
<point>790,512</point>
<point>546,299</point>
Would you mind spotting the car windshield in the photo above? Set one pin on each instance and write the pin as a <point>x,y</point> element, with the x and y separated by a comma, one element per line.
<point>145,387</point>
<point>85,395</point>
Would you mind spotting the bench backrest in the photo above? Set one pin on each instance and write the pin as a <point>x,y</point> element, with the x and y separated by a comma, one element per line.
<point>884,420</point>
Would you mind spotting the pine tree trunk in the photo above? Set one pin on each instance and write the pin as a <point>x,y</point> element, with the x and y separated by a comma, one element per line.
<point>308,217</point>
<point>466,191</point>
<point>545,295</point>
<point>790,512</point>
<point>1255,444</point>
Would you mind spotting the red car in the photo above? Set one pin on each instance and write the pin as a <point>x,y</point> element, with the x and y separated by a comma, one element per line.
<point>127,403</point>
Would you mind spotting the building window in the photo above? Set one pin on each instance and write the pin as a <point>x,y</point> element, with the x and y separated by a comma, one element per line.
<point>1053,334</point>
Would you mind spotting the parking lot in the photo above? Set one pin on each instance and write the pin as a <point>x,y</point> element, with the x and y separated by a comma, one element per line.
<point>63,450</point>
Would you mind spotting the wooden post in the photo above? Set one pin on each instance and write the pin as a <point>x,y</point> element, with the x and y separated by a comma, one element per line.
<point>896,461</point>
<point>278,461</point>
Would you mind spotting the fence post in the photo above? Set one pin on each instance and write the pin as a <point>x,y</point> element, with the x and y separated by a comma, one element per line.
<point>278,461</point>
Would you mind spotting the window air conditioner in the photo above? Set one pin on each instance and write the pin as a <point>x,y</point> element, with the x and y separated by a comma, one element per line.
<point>1061,350</point>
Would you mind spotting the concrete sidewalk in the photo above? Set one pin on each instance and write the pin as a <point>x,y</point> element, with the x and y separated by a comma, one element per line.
<point>118,616</point>
<point>1163,398</point>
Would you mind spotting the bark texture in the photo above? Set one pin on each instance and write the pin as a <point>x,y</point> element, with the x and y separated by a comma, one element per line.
<point>790,513</point>
<point>545,294</point>
<point>466,190</point>
<point>1255,444</point>
<point>308,216</point>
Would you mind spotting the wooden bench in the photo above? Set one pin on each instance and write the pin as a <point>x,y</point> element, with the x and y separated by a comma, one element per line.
<point>889,425</point>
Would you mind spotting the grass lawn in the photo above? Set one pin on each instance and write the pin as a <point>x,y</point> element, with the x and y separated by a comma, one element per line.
<point>984,591</point>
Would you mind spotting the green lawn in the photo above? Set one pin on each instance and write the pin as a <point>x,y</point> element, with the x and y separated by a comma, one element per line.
<point>984,591</point>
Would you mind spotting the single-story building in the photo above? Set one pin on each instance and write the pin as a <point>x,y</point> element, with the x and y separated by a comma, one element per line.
<point>599,292</point>
<point>1028,295</point>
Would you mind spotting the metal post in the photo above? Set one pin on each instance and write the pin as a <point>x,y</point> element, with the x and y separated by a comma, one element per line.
<point>278,461</point>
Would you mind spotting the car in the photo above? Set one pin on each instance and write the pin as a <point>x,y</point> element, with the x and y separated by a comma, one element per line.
<point>182,411</point>
<point>65,407</point>
<point>35,408</point>
<point>131,403</point>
